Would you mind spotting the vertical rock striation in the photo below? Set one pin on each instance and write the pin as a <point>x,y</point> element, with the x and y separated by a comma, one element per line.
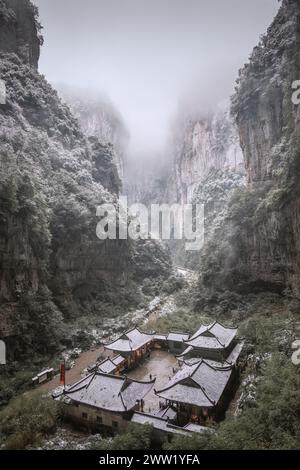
<point>201,145</point>
<point>269,129</point>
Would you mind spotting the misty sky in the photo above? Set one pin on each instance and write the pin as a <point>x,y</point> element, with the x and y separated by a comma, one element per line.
<point>146,55</point>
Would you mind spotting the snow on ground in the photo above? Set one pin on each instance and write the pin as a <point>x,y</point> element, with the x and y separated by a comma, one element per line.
<point>65,439</point>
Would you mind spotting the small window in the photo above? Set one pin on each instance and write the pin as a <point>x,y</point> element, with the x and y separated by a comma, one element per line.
<point>84,415</point>
<point>115,424</point>
<point>99,419</point>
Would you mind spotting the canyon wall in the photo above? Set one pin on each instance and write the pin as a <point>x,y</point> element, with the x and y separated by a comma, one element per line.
<point>206,167</point>
<point>20,30</point>
<point>269,129</point>
<point>98,117</point>
<point>257,246</point>
<point>53,268</point>
<point>201,145</point>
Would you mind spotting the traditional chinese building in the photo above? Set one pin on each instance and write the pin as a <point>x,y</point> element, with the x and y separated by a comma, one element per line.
<point>213,341</point>
<point>133,345</point>
<point>104,401</point>
<point>165,428</point>
<point>198,391</point>
<point>176,341</point>
<point>115,365</point>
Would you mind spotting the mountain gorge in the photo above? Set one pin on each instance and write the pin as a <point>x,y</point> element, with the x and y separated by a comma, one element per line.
<point>241,163</point>
<point>65,294</point>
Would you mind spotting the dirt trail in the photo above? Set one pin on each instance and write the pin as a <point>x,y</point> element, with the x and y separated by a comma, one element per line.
<point>73,375</point>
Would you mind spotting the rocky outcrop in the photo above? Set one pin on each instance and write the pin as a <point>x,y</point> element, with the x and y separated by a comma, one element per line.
<point>20,30</point>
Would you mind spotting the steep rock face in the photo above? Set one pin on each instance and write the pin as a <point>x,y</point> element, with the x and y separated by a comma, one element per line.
<point>202,145</point>
<point>53,268</point>
<point>52,179</point>
<point>19,30</point>
<point>269,129</point>
<point>98,117</point>
<point>207,165</point>
<point>263,105</point>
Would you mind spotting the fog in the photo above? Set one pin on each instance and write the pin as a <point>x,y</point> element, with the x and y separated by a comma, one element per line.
<point>149,55</point>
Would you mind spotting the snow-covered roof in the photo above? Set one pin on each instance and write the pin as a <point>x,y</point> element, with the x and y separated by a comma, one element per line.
<point>117,360</point>
<point>199,384</point>
<point>106,366</point>
<point>132,340</point>
<point>160,337</point>
<point>185,352</point>
<point>177,336</point>
<point>230,360</point>
<point>167,413</point>
<point>192,427</point>
<point>213,336</point>
<point>108,392</point>
<point>109,365</point>
<point>235,353</point>
<point>196,360</point>
<point>163,425</point>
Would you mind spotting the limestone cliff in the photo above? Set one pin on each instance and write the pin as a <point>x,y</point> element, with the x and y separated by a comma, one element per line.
<point>53,268</point>
<point>258,246</point>
<point>269,128</point>
<point>201,145</point>
<point>98,117</point>
<point>207,165</point>
<point>20,30</point>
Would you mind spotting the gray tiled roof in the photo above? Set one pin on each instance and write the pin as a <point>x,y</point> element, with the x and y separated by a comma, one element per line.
<point>235,353</point>
<point>213,336</point>
<point>196,360</point>
<point>155,421</point>
<point>109,365</point>
<point>230,360</point>
<point>196,428</point>
<point>108,392</point>
<point>130,341</point>
<point>199,384</point>
<point>166,413</point>
<point>177,336</point>
<point>163,425</point>
<point>160,337</point>
<point>186,351</point>
<point>117,360</point>
<point>106,366</point>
